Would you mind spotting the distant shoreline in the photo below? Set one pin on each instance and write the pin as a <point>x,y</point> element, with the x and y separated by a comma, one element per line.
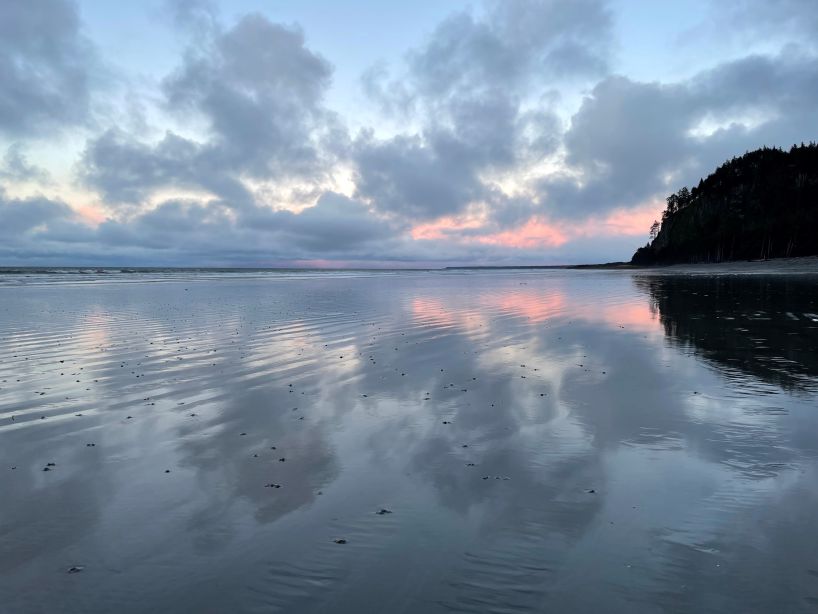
<point>803,264</point>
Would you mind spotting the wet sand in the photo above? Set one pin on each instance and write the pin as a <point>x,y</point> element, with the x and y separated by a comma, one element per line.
<point>485,441</point>
<point>806,265</point>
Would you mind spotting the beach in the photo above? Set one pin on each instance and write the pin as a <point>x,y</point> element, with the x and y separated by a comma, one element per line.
<point>409,441</point>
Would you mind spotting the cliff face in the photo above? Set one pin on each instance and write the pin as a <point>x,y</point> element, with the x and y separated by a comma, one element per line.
<point>761,205</point>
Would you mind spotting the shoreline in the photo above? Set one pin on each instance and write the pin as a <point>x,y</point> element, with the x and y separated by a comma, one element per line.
<point>800,265</point>
<point>805,265</point>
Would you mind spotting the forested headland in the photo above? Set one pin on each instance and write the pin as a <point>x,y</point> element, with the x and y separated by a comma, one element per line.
<point>761,205</point>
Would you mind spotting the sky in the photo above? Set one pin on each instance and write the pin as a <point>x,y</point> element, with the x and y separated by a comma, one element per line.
<point>364,133</point>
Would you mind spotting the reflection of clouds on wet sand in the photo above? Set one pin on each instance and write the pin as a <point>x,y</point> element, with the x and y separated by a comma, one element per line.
<point>712,441</point>
<point>542,439</point>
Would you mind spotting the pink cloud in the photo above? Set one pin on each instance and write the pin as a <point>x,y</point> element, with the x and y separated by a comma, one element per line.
<point>445,227</point>
<point>635,221</point>
<point>540,232</point>
<point>534,233</point>
<point>91,215</point>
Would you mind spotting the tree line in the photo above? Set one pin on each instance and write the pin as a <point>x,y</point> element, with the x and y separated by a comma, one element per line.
<point>763,204</point>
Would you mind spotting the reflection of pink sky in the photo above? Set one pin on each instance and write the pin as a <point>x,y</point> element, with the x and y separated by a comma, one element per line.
<point>537,307</point>
<point>540,307</point>
<point>435,311</point>
<point>538,231</point>
<point>634,314</point>
<point>429,309</point>
<point>530,304</point>
<point>96,329</point>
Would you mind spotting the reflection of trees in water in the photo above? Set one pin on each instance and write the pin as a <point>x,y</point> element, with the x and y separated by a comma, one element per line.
<point>764,326</point>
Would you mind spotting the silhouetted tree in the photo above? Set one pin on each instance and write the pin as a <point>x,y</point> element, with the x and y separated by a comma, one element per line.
<point>654,229</point>
<point>763,204</point>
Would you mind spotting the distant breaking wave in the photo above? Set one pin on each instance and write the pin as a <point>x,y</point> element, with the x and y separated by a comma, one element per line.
<point>11,276</point>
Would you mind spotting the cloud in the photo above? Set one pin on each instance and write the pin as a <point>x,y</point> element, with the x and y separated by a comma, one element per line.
<point>416,178</point>
<point>631,141</point>
<point>469,84</point>
<point>477,155</point>
<point>16,167</point>
<point>184,231</point>
<point>22,218</point>
<point>40,229</point>
<point>779,18</point>
<point>126,170</point>
<point>513,45</point>
<point>45,67</point>
<point>334,226</point>
<point>259,91</point>
<point>197,17</point>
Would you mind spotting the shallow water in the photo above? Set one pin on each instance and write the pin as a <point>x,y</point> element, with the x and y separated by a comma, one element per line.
<point>558,441</point>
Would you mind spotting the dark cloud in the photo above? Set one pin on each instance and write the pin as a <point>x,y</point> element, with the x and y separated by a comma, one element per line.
<point>335,225</point>
<point>260,91</point>
<point>625,137</point>
<point>177,230</point>
<point>632,141</point>
<point>45,65</point>
<point>24,218</point>
<point>417,178</point>
<point>125,170</point>
<point>441,171</point>
<point>468,86</point>
<point>185,232</point>
<point>515,44</point>
<point>782,84</point>
<point>628,143</point>
<point>16,167</point>
<point>174,227</point>
<point>41,229</point>
<point>475,108</point>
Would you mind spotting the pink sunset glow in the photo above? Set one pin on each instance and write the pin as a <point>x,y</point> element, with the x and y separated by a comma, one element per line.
<point>445,227</point>
<point>538,232</point>
<point>535,233</point>
<point>91,215</point>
